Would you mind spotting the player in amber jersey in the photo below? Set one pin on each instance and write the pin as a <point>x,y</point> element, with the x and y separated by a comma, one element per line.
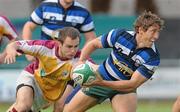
<point>7,33</point>
<point>46,82</point>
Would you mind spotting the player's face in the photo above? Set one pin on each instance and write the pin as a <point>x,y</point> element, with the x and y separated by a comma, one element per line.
<point>150,36</point>
<point>69,47</point>
<point>68,1</point>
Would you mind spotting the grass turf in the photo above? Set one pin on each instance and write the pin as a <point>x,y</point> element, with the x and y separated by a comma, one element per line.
<point>143,106</point>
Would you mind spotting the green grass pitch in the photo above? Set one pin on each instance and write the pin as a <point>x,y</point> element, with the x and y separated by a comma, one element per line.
<point>143,106</point>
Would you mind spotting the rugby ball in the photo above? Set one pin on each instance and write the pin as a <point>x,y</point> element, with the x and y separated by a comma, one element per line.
<point>83,73</point>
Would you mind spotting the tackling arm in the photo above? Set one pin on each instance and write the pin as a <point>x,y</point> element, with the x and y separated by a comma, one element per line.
<point>123,85</point>
<point>89,48</point>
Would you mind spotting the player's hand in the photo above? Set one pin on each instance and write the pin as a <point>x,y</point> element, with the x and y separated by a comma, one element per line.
<point>11,56</point>
<point>78,63</point>
<point>95,82</point>
<point>75,65</point>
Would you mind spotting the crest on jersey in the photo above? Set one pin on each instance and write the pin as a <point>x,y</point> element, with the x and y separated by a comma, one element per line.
<point>65,73</point>
<point>42,73</point>
<point>74,22</point>
<point>137,62</point>
<point>52,18</point>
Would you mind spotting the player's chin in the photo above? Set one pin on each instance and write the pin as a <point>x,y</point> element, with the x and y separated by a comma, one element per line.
<point>69,1</point>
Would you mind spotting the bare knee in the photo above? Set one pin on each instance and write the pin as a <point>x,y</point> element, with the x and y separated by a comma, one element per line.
<point>22,107</point>
<point>19,108</point>
<point>24,99</point>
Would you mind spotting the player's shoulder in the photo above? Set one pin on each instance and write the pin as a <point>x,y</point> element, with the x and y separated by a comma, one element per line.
<point>119,32</point>
<point>131,32</point>
<point>80,6</point>
<point>50,1</point>
<point>77,4</point>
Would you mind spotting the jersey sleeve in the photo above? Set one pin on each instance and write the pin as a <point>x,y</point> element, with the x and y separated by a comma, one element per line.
<point>88,24</point>
<point>37,48</point>
<point>109,39</point>
<point>148,68</point>
<point>37,15</point>
<point>7,28</point>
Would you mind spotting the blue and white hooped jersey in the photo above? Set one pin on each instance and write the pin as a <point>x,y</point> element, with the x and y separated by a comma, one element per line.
<point>125,59</point>
<point>51,16</point>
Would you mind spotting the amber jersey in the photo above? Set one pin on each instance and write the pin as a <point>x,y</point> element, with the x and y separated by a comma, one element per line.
<point>50,71</point>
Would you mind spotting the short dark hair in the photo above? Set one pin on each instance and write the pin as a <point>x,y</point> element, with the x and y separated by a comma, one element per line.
<point>146,20</point>
<point>62,34</point>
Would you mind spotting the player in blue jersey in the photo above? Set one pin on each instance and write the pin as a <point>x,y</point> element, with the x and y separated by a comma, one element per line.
<point>55,14</point>
<point>132,61</point>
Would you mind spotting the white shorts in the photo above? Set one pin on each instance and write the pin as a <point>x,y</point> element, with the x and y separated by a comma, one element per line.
<point>27,79</point>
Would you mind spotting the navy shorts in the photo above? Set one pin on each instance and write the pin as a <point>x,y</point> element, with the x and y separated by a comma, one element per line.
<point>75,90</point>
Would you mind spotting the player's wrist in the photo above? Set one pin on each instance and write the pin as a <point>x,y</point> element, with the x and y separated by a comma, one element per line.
<point>82,60</point>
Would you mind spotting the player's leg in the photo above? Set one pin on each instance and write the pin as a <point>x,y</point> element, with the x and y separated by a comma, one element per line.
<point>78,87</point>
<point>176,105</point>
<point>72,94</point>
<point>24,93</point>
<point>24,99</point>
<point>80,103</point>
<point>124,102</point>
<point>59,105</point>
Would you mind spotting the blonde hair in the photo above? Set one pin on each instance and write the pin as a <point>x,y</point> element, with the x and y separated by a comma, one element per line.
<point>146,20</point>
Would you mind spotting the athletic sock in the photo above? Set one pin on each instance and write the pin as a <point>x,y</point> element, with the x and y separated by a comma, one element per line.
<point>14,110</point>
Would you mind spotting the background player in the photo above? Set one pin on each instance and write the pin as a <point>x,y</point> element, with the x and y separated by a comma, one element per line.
<point>7,34</point>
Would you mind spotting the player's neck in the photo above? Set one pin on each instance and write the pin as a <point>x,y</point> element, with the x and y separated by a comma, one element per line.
<point>65,4</point>
<point>62,55</point>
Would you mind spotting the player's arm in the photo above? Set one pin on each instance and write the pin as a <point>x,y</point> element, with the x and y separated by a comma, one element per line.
<point>136,80</point>
<point>27,35</point>
<point>28,29</point>
<point>88,28</point>
<point>31,47</point>
<point>89,48</point>
<point>11,53</point>
<point>89,36</point>
<point>141,75</point>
